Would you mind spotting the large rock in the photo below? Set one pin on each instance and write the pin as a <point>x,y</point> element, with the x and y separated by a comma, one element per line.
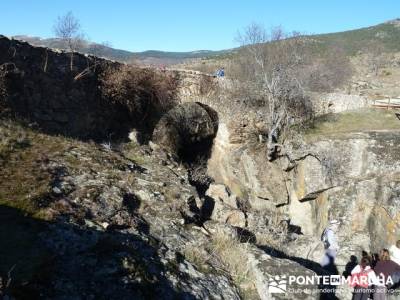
<point>246,171</point>
<point>266,270</point>
<point>225,208</point>
<point>353,177</point>
<point>187,130</point>
<point>219,192</point>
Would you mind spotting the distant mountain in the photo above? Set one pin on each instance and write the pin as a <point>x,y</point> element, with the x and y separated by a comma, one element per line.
<point>385,35</point>
<point>146,57</point>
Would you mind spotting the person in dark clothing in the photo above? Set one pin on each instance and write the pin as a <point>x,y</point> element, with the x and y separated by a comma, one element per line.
<point>220,72</point>
<point>375,259</point>
<point>350,266</point>
<point>366,255</point>
<point>383,269</point>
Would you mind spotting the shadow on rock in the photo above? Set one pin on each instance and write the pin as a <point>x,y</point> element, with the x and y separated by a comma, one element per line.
<point>56,260</point>
<point>327,291</point>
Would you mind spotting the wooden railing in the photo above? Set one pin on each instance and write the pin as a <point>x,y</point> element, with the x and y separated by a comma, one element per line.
<point>387,103</point>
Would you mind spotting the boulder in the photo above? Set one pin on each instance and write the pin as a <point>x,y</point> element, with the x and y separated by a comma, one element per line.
<point>225,214</point>
<point>220,192</point>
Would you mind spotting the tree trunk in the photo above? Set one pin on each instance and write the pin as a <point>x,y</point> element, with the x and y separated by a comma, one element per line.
<point>271,145</point>
<point>72,60</point>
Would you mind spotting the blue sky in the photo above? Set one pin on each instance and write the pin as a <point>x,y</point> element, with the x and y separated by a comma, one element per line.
<point>183,25</point>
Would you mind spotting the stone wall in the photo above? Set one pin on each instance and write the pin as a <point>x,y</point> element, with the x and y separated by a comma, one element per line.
<point>43,90</point>
<point>337,102</point>
<point>197,86</point>
<point>194,86</point>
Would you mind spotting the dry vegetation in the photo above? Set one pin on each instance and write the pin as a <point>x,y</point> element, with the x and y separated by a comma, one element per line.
<point>24,180</point>
<point>225,252</point>
<point>232,256</point>
<point>146,93</point>
<point>3,88</point>
<point>31,165</point>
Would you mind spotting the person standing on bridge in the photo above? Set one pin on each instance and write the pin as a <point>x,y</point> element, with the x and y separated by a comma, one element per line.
<point>220,73</point>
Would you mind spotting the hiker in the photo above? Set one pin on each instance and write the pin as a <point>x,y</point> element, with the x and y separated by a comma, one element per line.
<point>361,276</point>
<point>331,246</point>
<point>384,268</point>
<point>350,266</point>
<point>220,72</point>
<point>394,251</point>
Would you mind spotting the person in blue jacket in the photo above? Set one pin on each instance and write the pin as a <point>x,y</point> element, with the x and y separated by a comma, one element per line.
<point>220,72</point>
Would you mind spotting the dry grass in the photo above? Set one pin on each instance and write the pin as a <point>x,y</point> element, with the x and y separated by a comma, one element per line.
<point>132,152</point>
<point>24,179</point>
<point>226,254</point>
<point>353,121</point>
<point>197,256</point>
<point>232,256</point>
<point>29,165</point>
<point>27,160</point>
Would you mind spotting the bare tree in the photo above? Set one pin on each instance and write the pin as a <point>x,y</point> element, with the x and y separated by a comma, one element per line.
<point>270,64</point>
<point>68,29</point>
<point>376,57</point>
<point>276,70</point>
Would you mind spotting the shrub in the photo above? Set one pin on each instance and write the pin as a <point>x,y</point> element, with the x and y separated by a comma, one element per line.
<point>3,88</point>
<point>146,93</point>
<point>197,256</point>
<point>208,85</point>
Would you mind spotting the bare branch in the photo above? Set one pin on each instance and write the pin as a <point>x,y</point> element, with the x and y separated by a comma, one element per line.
<point>68,29</point>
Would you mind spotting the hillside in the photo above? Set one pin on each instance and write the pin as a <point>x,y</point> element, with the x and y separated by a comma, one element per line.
<point>148,57</point>
<point>386,35</point>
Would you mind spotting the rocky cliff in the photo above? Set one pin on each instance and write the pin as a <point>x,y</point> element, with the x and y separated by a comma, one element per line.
<point>351,176</point>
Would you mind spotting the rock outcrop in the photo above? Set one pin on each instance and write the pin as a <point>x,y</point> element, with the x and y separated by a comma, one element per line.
<point>358,187</point>
<point>119,225</point>
<point>104,226</point>
<point>244,170</point>
<point>350,176</point>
